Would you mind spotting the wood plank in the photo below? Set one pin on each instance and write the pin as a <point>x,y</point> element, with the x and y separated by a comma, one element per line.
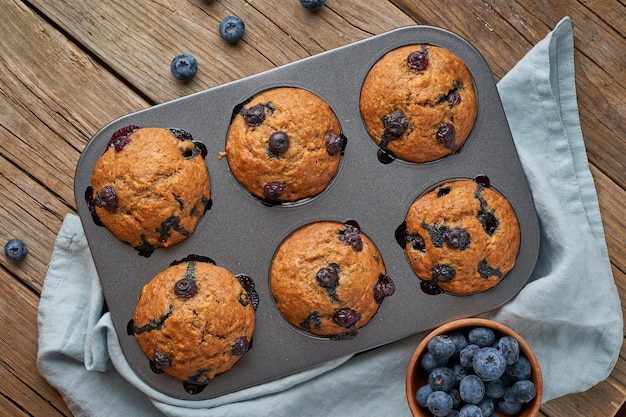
<point>49,112</point>
<point>19,377</point>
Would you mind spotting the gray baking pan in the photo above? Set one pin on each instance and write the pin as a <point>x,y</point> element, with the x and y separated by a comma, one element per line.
<point>241,234</point>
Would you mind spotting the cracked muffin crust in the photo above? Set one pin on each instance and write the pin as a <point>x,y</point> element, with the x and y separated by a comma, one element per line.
<point>195,320</point>
<point>150,187</point>
<point>462,237</point>
<point>418,103</point>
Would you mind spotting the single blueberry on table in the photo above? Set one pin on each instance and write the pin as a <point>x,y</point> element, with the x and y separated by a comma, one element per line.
<point>184,67</point>
<point>439,403</point>
<point>312,4</point>
<point>472,389</point>
<point>489,364</point>
<point>232,28</point>
<point>15,250</point>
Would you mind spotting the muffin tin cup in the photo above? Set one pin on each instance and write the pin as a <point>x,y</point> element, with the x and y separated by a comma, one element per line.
<point>241,233</point>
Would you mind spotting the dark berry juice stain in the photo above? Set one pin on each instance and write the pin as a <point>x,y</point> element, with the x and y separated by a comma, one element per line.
<point>437,233</point>
<point>429,288</point>
<point>155,324</point>
<point>193,388</point>
<point>486,271</point>
<point>247,284</point>
<point>487,219</point>
<point>483,180</point>
<point>312,319</point>
<point>400,234</point>
<point>385,156</point>
<point>91,206</point>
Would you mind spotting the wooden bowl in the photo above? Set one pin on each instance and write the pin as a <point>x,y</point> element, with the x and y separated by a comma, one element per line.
<point>416,377</point>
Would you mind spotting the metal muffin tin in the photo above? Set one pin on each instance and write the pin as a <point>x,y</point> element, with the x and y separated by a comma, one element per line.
<point>241,234</point>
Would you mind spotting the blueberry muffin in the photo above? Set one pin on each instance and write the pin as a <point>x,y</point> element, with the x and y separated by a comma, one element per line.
<point>418,103</point>
<point>284,145</point>
<point>195,320</point>
<point>150,187</point>
<point>328,278</point>
<point>462,237</point>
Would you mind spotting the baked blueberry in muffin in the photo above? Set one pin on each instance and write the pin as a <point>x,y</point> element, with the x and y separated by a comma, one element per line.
<point>150,187</point>
<point>195,320</point>
<point>461,237</point>
<point>329,279</point>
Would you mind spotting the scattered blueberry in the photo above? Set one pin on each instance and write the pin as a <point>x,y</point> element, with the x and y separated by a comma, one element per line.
<point>254,116</point>
<point>232,29</point>
<point>441,379</point>
<point>312,4</point>
<point>489,364</point>
<point>446,135</point>
<point>441,346</point>
<point>350,236</point>
<point>418,60</point>
<point>121,137</point>
<point>278,142</point>
<point>482,336</point>
<point>439,403</point>
<point>184,67</point>
<point>15,250</point>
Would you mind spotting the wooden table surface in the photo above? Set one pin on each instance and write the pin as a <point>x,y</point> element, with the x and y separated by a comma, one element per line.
<point>68,67</point>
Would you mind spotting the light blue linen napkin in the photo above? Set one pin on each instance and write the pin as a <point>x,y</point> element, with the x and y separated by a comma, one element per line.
<point>79,352</point>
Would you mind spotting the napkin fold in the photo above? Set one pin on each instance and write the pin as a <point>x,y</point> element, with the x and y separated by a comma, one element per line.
<point>569,312</point>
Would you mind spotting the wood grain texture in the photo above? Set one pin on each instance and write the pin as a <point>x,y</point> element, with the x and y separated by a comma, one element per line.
<point>69,67</point>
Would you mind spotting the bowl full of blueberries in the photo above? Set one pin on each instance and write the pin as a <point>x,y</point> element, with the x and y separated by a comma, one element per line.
<point>473,367</point>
